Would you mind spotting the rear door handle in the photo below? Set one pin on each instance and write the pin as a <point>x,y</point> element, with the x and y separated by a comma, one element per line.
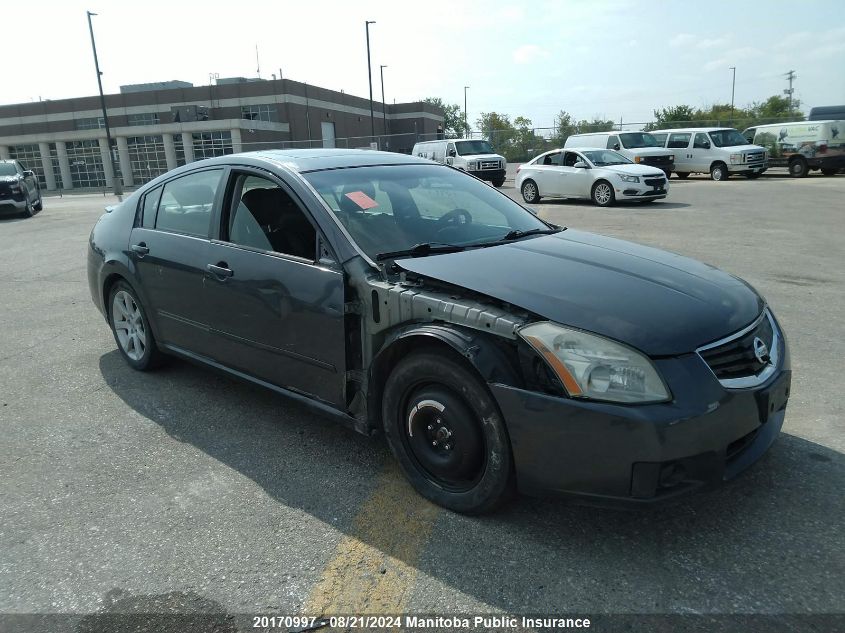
<point>221,269</point>
<point>141,249</point>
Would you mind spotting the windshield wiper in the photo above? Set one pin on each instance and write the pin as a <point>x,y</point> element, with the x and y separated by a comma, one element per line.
<point>516,233</point>
<point>420,250</point>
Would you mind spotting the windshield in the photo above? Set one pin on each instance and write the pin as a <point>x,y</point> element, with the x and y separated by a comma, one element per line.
<point>465,148</point>
<point>633,140</point>
<point>727,138</point>
<point>605,157</point>
<point>7,169</point>
<point>391,208</point>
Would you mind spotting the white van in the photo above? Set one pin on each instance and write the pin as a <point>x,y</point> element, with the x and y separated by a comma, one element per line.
<point>639,147</point>
<point>719,151</point>
<point>803,145</point>
<point>470,155</point>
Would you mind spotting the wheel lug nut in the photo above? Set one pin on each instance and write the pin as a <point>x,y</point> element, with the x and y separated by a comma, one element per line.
<point>430,427</point>
<point>434,443</point>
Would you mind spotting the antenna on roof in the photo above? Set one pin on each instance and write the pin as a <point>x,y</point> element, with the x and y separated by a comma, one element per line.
<point>257,63</point>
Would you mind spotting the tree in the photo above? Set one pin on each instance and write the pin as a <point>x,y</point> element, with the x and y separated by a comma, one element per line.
<point>675,114</point>
<point>596,125</point>
<point>776,108</point>
<point>453,117</point>
<point>564,128</point>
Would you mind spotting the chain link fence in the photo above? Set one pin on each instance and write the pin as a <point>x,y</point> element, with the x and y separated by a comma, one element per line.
<point>519,145</point>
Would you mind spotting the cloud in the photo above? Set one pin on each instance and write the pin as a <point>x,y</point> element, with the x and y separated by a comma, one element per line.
<point>528,53</point>
<point>682,39</point>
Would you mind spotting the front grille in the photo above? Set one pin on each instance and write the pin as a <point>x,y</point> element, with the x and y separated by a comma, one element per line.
<point>656,160</point>
<point>754,157</point>
<point>493,164</point>
<point>736,447</point>
<point>737,358</point>
<point>655,182</point>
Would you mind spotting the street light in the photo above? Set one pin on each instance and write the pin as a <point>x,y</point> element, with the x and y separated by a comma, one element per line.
<point>733,85</point>
<point>370,75</point>
<point>466,126</point>
<point>117,185</point>
<point>383,105</point>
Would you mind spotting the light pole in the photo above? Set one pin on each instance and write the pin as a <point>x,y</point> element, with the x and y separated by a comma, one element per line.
<point>370,75</point>
<point>117,185</point>
<point>733,85</point>
<point>383,104</point>
<point>466,126</point>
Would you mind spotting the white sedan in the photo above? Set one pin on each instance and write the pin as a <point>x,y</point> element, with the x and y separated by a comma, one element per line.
<point>602,175</point>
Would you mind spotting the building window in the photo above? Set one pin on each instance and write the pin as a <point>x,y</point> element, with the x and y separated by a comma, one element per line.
<point>211,144</point>
<point>92,123</point>
<point>86,164</point>
<point>57,170</point>
<point>180,150</point>
<point>30,157</point>
<point>260,112</point>
<point>149,118</point>
<point>146,155</point>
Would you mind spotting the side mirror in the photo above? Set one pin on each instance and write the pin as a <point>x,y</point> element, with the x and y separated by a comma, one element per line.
<point>616,146</point>
<point>452,153</point>
<point>580,165</point>
<point>29,172</point>
<point>706,144</point>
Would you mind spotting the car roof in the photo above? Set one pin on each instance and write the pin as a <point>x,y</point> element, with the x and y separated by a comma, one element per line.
<point>691,129</point>
<point>791,123</point>
<point>305,160</point>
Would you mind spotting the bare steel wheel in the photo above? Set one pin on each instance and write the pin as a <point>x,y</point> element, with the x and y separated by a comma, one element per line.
<point>447,433</point>
<point>131,328</point>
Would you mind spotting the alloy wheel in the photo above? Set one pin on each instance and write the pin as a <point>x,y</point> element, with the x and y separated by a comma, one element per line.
<point>129,325</point>
<point>602,193</point>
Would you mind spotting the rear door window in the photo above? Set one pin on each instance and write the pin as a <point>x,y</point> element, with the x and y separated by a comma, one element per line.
<point>186,203</point>
<point>679,139</point>
<point>613,142</point>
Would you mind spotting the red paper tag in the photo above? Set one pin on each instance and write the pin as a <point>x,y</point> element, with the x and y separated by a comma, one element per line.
<point>361,199</point>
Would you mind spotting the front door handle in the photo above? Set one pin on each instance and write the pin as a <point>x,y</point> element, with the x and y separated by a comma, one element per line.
<point>141,249</point>
<point>221,269</point>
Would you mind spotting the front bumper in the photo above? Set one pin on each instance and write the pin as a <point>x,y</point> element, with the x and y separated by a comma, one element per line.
<point>630,455</point>
<point>491,175</point>
<point>640,190</point>
<point>748,169</point>
<point>12,203</point>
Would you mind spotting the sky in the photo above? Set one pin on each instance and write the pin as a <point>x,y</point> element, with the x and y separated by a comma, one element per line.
<point>612,59</point>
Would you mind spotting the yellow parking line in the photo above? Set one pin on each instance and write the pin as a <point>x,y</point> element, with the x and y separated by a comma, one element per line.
<point>373,568</point>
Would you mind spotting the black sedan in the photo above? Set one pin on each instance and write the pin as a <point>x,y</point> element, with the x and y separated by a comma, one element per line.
<point>20,193</point>
<point>495,351</point>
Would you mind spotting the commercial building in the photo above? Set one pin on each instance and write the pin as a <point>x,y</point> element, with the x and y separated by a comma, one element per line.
<point>156,127</point>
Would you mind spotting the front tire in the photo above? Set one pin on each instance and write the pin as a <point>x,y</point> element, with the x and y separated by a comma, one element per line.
<point>29,210</point>
<point>798,168</point>
<point>498,183</point>
<point>447,433</point>
<point>38,206</point>
<point>602,194</point>
<point>530,192</point>
<point>753,176</point>
<point>683,175</point>
<point>719,171</point>
<point>131,329</point>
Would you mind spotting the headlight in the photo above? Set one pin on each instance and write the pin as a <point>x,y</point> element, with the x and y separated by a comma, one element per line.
<point>591,366</point>
<point>672,157</point>
<point>15,188</point>
<point>737,159</point>
<point>626,178</point>
<point>472,165</point>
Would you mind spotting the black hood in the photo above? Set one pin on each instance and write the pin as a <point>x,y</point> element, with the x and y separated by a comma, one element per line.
<point>659,302</point>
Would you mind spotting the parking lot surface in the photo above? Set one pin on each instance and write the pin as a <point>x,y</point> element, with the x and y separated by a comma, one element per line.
<point>184,489</point>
